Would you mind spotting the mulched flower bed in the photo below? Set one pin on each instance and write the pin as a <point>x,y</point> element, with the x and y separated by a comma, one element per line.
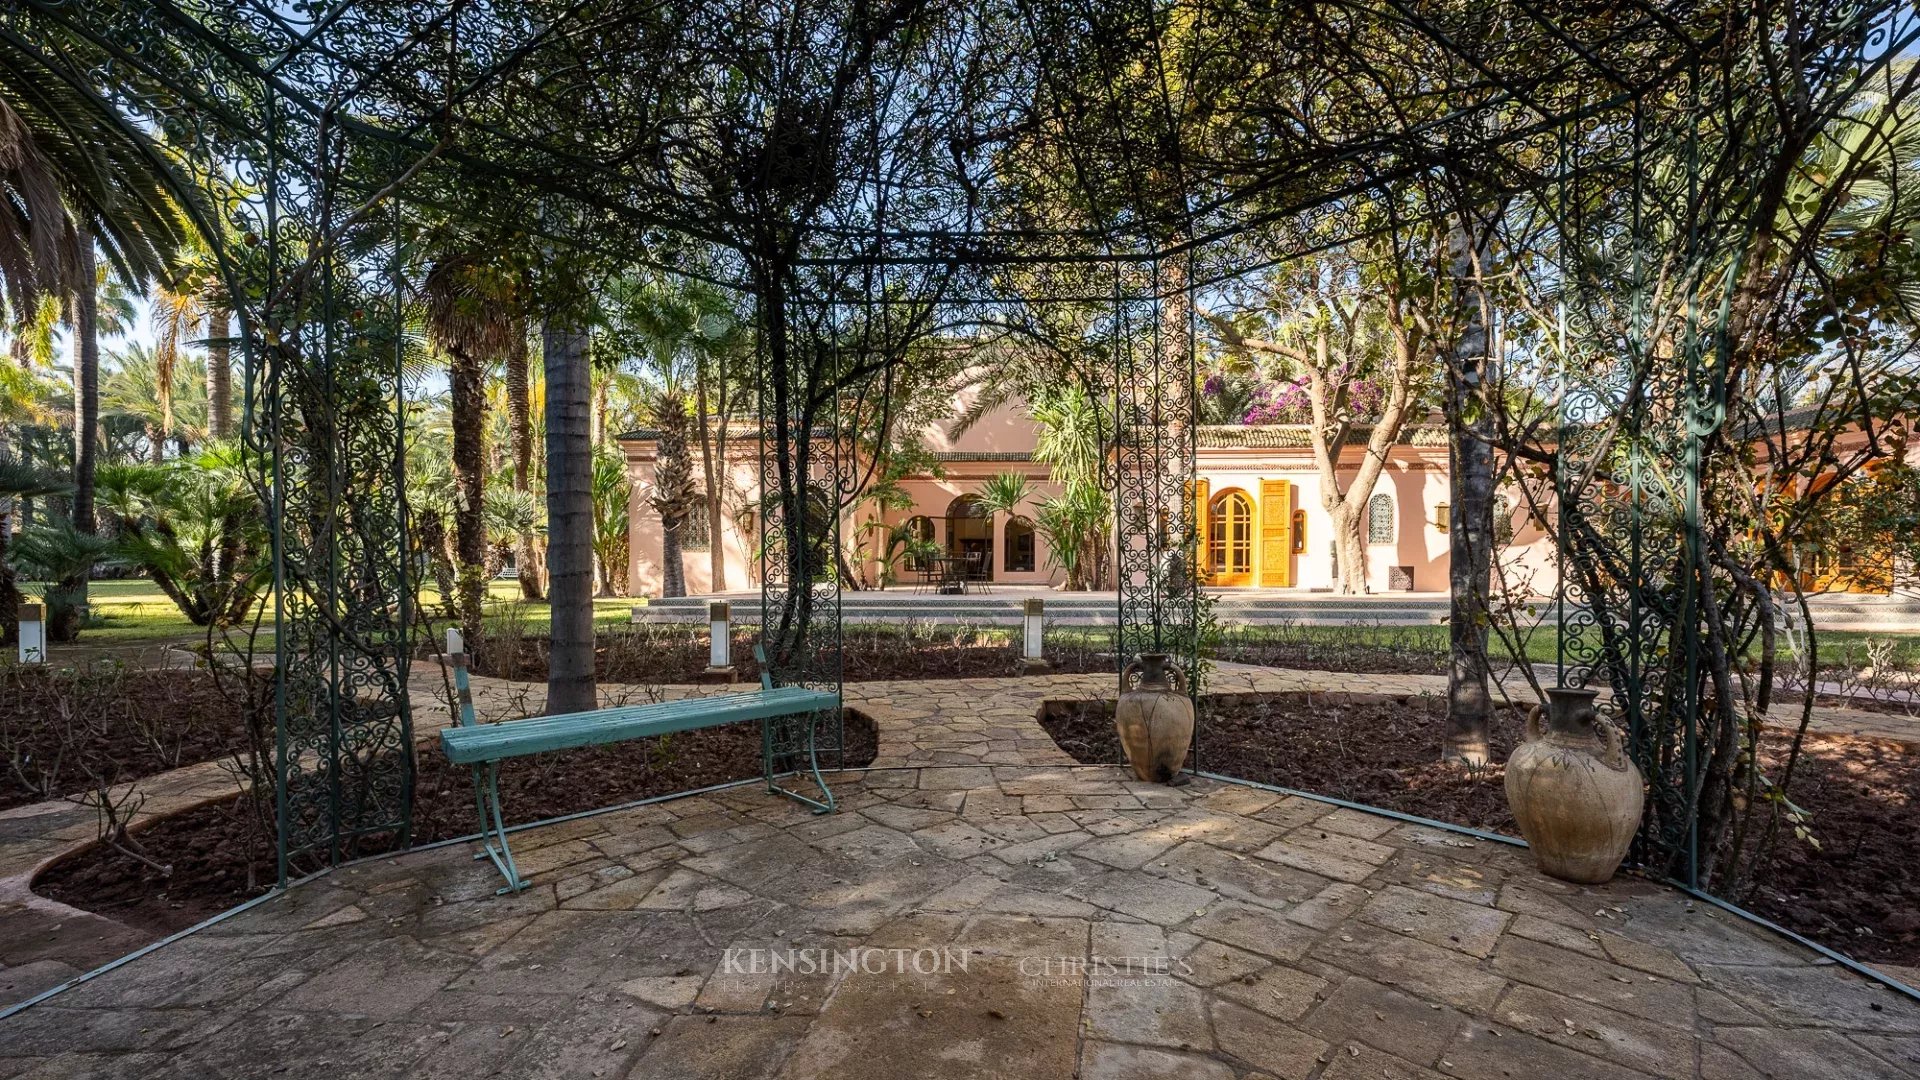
<point>1366,748</point>
<point>65,729</point>
<point>220,857</point>
<point>1857,891</point>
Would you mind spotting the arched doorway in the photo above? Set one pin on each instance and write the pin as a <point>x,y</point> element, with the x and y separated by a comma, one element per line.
<point>970,536</point>
<point>1230,539</point>
<point>918,532</point>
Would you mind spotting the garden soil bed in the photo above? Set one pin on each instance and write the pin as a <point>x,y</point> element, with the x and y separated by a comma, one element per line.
<point>1857,891</point>
<point>62,728</point>
<point>220,857</point>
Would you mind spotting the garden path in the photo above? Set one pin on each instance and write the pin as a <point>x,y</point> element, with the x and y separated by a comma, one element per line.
<point>966,728</point>
<point>1081,924</point>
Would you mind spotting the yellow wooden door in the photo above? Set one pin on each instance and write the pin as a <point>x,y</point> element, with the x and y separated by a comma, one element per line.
<point>1196,548</point>
<point>1230,539</point>
<point>1276,528</point>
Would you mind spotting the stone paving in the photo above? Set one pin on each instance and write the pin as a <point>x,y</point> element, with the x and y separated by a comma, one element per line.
<point>1086,925</point>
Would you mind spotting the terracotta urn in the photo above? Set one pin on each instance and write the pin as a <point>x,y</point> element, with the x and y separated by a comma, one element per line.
<point>1573,789</point>
<point>1155,718</point>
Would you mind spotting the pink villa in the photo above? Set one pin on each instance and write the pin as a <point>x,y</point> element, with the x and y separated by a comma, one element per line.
<point>1265,525</point>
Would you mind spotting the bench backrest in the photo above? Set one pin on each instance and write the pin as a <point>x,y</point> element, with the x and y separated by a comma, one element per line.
<point>462,689</point>
<point>760,658</point>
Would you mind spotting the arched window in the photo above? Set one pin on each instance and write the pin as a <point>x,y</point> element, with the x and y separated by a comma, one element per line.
<point>919,533</point>
<point>1299,532</point>
<point>970,536</point>
<point>1230,539</point>
<point>1019,557</point>
<point>1380,519</point>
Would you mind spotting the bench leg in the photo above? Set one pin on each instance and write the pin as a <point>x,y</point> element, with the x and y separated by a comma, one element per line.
<point>822,805</point>
<point>493,831</point>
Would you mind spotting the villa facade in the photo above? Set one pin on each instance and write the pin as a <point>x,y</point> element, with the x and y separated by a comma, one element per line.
<point>1264,521</point>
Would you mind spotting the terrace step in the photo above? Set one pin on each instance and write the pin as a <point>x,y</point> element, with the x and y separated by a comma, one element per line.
<point>1073,609</point>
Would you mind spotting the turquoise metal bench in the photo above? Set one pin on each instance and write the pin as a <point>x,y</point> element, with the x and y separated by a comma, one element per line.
<point>484,746</point>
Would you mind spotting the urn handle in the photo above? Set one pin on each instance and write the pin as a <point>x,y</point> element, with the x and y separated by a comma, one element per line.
<point>1533,731</point>
<point>1127,673</point>
<point>1609,732</point>
<point>1177,677</point>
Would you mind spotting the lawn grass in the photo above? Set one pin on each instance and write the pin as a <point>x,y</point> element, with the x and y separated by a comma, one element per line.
<point>134,613</point>
<point>131,613</point>
<point>127,611</point>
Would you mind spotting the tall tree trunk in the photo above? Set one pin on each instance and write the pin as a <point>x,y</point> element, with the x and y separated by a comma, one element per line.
<point>431,536</point>
<point>9,585</point>
<point>597,432</point>
<point>713,465</point>
<point>67,601</point>
<point>520,427</point>
<point>570,563</point>
<point>1470,513</point>
<point>1349,525</point>
<point>10,597</point>
<point>219,374</point>
<point>466,380</point>
<point>673,493</point>
<point>673,572</point>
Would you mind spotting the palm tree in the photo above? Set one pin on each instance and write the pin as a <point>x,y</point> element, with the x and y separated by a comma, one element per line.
<point>194,527</point>
<point>17,482</point>
<point>688,333</point>
<point>430,495</point>
<point>470,318</point>
<point>193,299</point>
<point>611,493</point>
<point>1076,524</point>
<point>133,389</point>
<point>570,669</point>
<point>520,436</point>
<point>76,179</point>
<point>1003,494</point>
<point>675,495</point>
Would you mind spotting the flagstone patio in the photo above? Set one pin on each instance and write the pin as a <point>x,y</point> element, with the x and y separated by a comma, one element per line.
<point>1240,933</point>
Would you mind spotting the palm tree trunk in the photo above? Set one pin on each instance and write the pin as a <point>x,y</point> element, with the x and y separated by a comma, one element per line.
<point>219,374</point>
<point>67,604</point>
<point>1470,528</point>
<point>712,464</point>
<point>431,536</point>
<point>570,562</point>
<point>469,407</point>
<point>9,588</point>
<point>520,426</point>
<point>673,570</point>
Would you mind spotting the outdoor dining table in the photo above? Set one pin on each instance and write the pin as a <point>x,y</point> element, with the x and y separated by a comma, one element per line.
<point>950,575</point>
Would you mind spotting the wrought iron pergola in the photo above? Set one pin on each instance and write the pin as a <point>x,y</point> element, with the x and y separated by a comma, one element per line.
<point>869,175</point>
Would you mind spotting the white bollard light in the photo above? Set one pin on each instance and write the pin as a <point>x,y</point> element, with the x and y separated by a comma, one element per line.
<point>720,649</point>
<point>456,645</point>
<point>33,634</point>
<point>1033,634</point>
